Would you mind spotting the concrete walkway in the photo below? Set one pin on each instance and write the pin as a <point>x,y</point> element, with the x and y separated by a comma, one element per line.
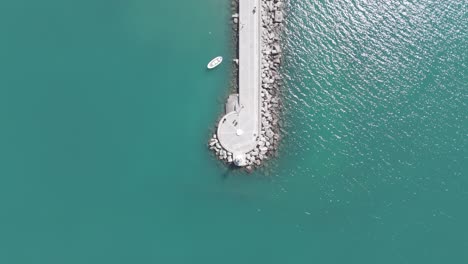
<point>238,130</point>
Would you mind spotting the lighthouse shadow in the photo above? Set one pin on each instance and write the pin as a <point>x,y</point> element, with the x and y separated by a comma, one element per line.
<point>230,170</point>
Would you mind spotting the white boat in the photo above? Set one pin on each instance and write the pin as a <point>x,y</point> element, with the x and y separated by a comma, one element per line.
<point>215,62</point>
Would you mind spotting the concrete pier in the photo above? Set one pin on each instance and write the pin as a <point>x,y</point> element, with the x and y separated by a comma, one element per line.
<point>238,130</point>
<point>249,132</point>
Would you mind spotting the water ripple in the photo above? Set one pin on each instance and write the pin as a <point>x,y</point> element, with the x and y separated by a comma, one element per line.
<point>373,88</point>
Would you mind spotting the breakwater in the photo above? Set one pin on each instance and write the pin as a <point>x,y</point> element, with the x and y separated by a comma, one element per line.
<point>249,131</point>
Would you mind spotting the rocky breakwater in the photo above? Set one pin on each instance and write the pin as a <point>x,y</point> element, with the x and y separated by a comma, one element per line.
<point>272,13</point>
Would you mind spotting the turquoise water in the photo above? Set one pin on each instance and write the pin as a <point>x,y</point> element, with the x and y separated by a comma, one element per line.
<point>106,107</point>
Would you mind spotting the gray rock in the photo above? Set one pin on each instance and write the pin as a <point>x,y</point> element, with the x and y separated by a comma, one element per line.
<point>270,134</point>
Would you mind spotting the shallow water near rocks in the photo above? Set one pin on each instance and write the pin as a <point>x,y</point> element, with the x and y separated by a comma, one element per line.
<point>106,108</point>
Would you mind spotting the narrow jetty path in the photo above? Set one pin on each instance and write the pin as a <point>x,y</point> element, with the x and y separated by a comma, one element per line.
<point>239,129</point>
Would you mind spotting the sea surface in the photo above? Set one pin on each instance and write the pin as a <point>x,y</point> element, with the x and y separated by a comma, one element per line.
<point>106,108</point>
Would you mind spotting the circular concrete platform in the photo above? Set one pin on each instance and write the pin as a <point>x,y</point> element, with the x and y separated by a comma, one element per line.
<point>236,133</point>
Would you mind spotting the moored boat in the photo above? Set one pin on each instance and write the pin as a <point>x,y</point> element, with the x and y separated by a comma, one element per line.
<point>214,62</point>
